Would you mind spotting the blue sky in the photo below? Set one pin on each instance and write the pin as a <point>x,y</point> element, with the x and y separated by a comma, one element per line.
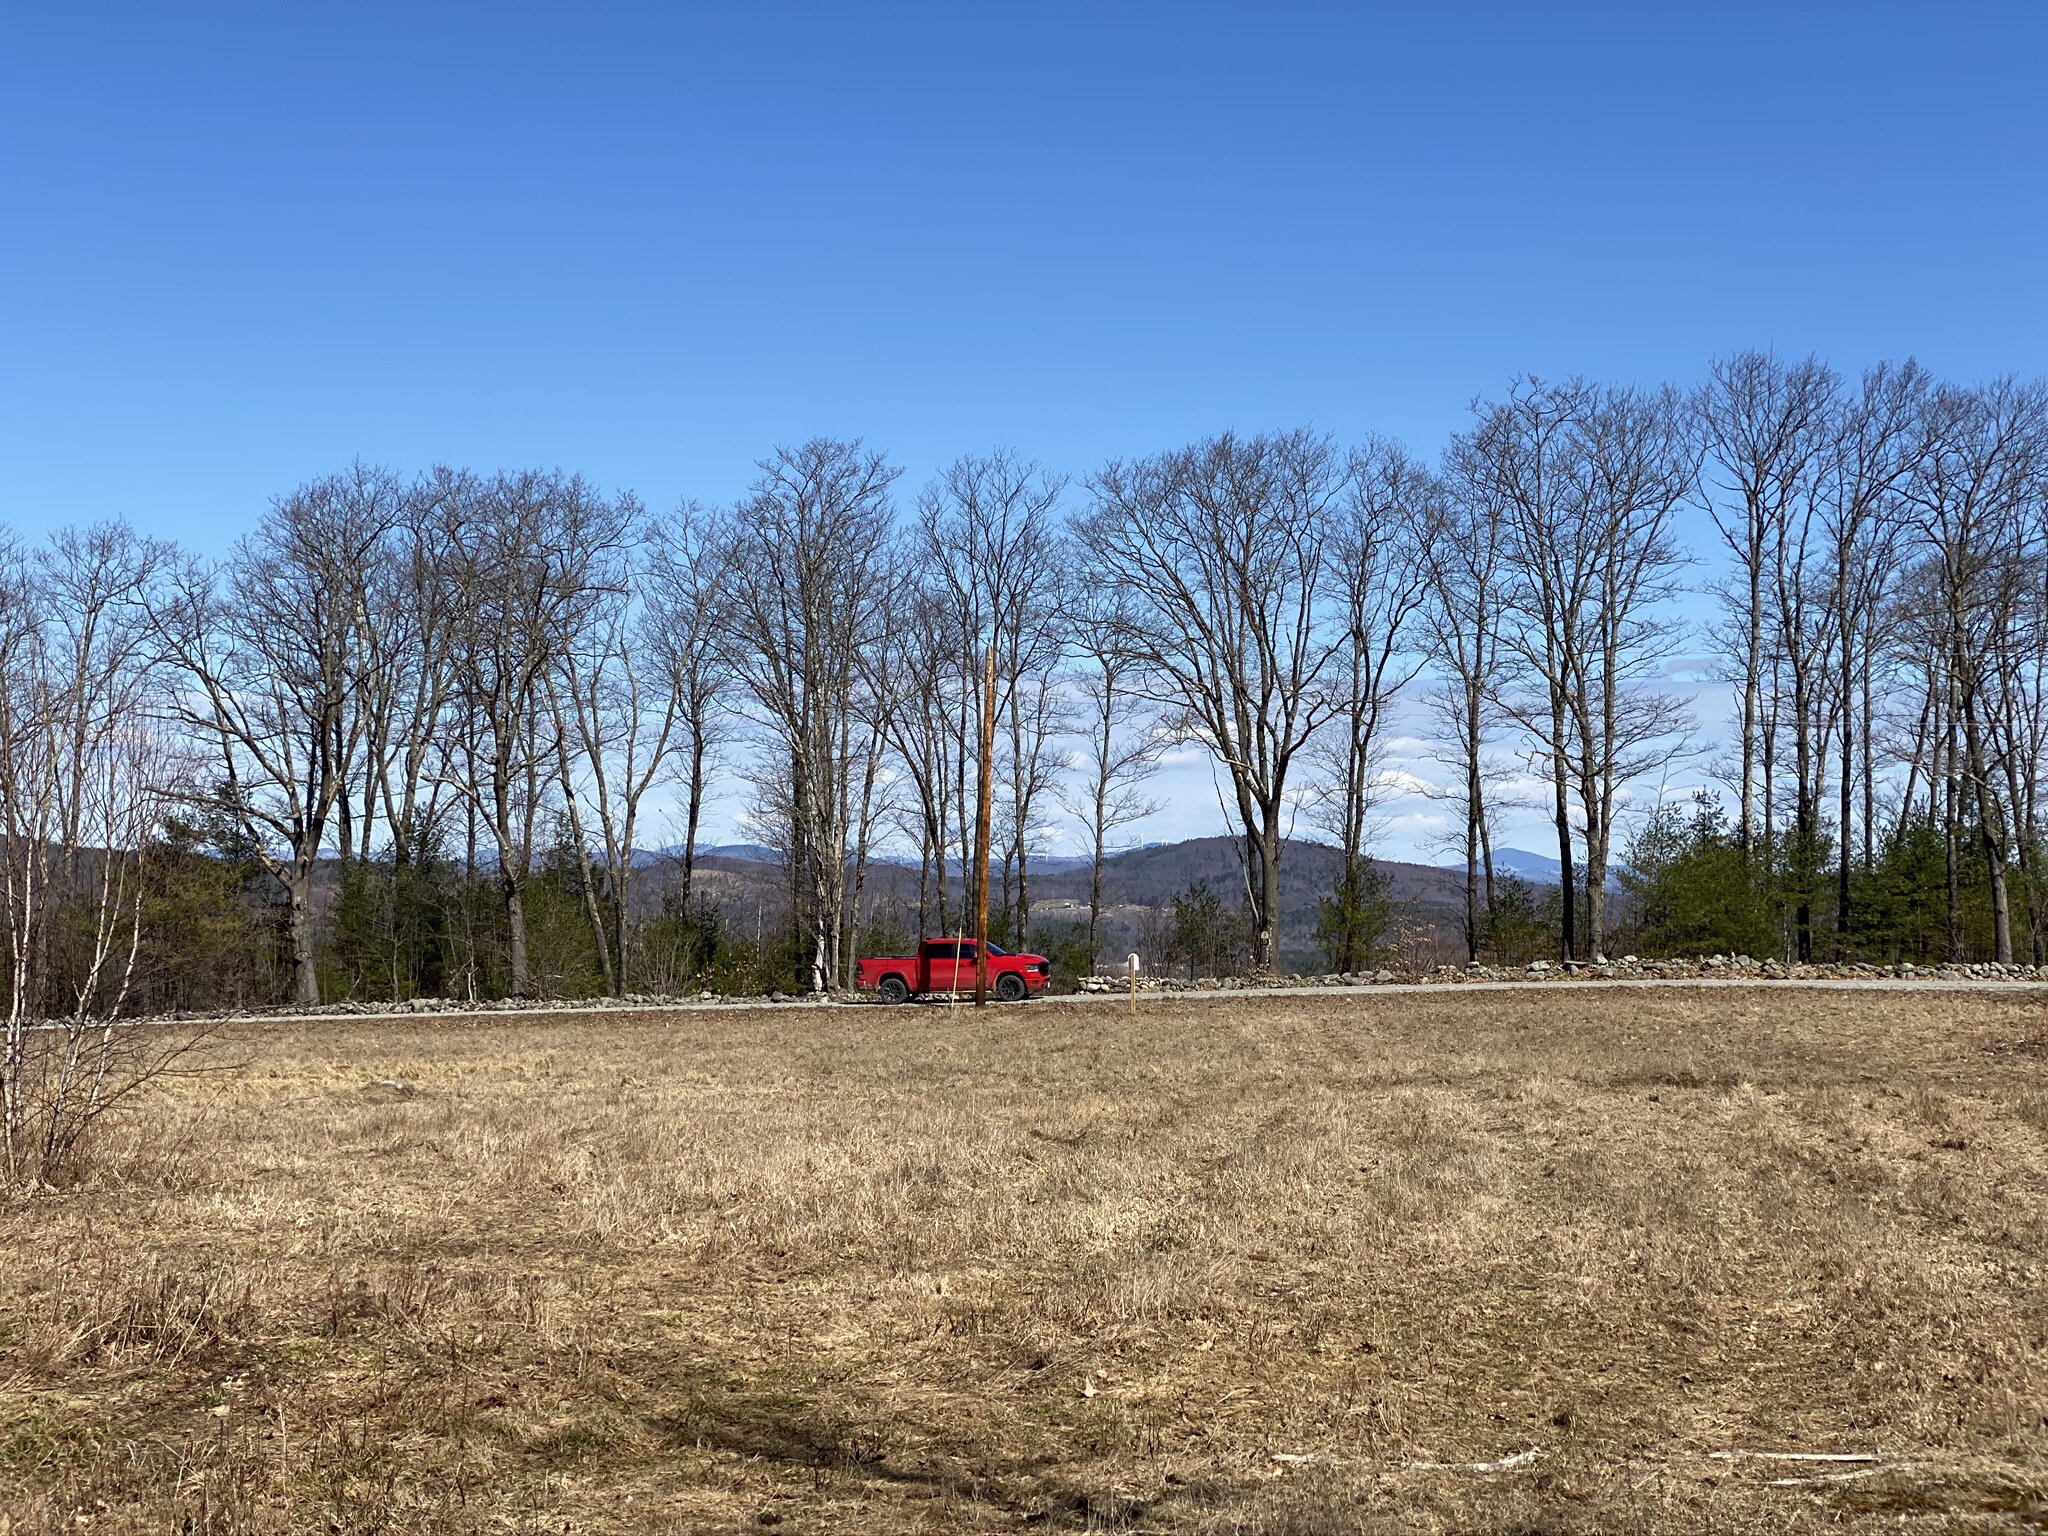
<point>244,245</point>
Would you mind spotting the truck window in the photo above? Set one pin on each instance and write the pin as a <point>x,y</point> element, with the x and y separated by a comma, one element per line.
<point>942,950</point>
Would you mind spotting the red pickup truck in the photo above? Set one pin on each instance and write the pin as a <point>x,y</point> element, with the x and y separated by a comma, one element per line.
<point>946,967</point>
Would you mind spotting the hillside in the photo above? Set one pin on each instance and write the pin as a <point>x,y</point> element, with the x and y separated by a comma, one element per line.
<point>1138,891</point>
<point>1139,886</point>
<point>1144,881</point>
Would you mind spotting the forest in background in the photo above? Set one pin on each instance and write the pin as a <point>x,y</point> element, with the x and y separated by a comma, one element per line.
<point>410,736</point>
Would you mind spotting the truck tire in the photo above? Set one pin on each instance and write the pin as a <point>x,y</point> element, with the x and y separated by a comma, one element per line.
<point>1010,988</point>
<point>894,989</point>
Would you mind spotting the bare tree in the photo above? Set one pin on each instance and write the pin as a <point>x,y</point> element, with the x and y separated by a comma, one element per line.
<point>612,737</point>
<point>29,755</point>
<point>1976,492</point>
<point>868,800</point>
<point>267,648</point>
<point>1519,457</point>
<point>86,775</point>
<point>924,715</point>
<point>533,556</point>
<point>1221,548</point>
<point>116,770</point>
<point>1871,454</point>
<point>810,586</point>
<point>1120,747</point>
<point>1768,427</point>
<point>2018,711</point>
<point>991,548</point>
<point>1592,480</point>
<point>1640,468</point>
<point>1460,545</point>
<point>1376,584</point>
<point>405,647</point>
<point>680,626</point>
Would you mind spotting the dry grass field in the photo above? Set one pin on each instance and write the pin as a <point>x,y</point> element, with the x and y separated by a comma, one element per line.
<point>1238,1265</point>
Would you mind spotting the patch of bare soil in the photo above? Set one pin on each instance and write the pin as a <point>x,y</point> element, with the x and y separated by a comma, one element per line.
<point>1507,1262</point>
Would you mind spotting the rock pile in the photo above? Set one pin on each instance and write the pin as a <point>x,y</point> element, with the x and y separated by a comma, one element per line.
<point>1122,983</point>
<point>1731,968</point>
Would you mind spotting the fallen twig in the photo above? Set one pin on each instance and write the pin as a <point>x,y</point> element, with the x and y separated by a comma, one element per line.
<point>1506,1464</point>
<point>1837,1477</point>
<point>1855,1464</point>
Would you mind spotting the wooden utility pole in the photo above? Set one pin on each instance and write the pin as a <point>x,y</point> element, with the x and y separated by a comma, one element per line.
<point>981,838</point>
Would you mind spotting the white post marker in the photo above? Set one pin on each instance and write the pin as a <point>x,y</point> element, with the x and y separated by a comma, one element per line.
<point>1133,963</point>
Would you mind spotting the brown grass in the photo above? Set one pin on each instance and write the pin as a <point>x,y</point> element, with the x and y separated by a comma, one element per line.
<point>913,1270</point>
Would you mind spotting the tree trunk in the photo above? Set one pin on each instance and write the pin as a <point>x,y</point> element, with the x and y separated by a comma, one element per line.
<point>1847,791</point>
<point>1991,825</point>
<point>1473,789</point>
<point>1266,920</point>
<point>693,813</point>
<point>591,910</point>
<point>860,854</point>
<point>622,919</point>
<point>1806,827</point>
<point>515,927</point>
<point>1568,897</point>
<point>1596,895</point>
<point>1752,702</point>
<point>1486,872</point>
<point>1951,810</point>
<point>1022,936</point>
<point>305,968</point>
<point>1094,904</point>
<point>821,946</point>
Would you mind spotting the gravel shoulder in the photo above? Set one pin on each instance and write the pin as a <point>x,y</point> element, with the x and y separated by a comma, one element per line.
<point>1153,998</point>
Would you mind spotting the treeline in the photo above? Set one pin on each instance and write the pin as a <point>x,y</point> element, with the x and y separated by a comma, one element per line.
<point>463,701</point>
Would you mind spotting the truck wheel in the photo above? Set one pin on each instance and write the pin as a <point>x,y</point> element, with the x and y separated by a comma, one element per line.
<point>1010,988</point>
<point>894,989</point>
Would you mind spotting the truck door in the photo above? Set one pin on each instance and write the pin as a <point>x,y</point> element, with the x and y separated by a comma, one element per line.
<point>948,965</point>
<point>935,965</point>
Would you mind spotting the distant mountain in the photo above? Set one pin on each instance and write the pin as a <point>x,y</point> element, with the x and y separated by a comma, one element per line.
<point>1059,863</point>
<point>1540,867</point>
<point>1138,888</point>
<point>759,853</point>
<point>752,853</point>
